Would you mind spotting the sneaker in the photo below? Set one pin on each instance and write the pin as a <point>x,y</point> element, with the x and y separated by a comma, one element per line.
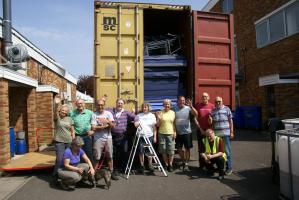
<point>151,168</point>
<point>185,167</point>
<point>114,176</point>
<point>220,178</point>
<point>228,172</point>
<point>65,186</point>
<point>170,168</point>
<point>141,170</point>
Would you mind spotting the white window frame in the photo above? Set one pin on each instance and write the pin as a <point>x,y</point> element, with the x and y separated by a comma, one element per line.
<point>267,18</point>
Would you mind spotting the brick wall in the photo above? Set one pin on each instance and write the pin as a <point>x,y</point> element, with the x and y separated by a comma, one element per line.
<point>287,98</point>
<point>44,122</point>
<point>18,108</point>
<point>281,57</point>
<point>32,120</point>
<point>217,7</point>
<point>4,123</point>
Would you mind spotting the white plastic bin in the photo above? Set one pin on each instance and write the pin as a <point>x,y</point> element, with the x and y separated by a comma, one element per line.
<point>288,151</point>
<point>291,123</point>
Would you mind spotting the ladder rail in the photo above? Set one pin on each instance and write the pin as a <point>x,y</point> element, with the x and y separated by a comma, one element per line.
<point>150,147</point>
<point>155,157</point>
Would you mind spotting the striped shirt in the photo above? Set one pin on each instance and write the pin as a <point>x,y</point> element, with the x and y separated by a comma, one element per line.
<point>121,121</point>
<point>221,121</point>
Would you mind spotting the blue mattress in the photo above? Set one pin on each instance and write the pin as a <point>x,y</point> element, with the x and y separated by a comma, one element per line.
<point>164,61</point>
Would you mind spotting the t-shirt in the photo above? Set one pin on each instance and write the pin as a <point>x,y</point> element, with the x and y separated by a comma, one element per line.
<point>204,111</point>
<point>147,122</point>
<point>202,148</point>
<point>96,119</point>
<point>221,118</point>
<point>182,120</point>
<point>74,158</point>
<point>166,125</point>
<point>63,129</point>
<point>81,121</point>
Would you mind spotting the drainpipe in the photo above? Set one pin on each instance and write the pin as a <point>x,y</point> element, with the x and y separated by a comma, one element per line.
<point>6,29</point>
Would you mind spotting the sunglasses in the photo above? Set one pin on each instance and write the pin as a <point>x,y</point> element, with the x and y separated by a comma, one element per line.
<point>217,101</point>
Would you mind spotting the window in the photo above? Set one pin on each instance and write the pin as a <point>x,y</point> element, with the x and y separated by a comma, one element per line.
<point>227,6</point>
<point>276,23</point>
<point>280,24</point>
<point>69,91</point>
<point>292,18</point>
<point>262,34</point>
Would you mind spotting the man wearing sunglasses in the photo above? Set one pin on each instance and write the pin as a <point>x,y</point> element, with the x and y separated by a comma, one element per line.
<point>221,118</point>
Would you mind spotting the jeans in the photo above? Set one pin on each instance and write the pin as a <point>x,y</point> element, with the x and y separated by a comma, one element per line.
<point>228,152</point>
<point>59,148</point>
<point>87,147</point>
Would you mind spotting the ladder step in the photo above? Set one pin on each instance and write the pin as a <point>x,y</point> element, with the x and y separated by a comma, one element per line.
<point>156,165</point>
<point>146,145</point>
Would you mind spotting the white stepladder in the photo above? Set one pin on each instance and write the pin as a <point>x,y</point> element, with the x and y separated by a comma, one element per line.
<point>152,153</point>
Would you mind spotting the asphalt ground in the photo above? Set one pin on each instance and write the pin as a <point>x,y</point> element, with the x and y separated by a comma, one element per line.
<point>251,179</point>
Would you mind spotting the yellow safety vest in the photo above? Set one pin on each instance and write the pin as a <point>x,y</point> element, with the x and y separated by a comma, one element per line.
<point>215,146</point>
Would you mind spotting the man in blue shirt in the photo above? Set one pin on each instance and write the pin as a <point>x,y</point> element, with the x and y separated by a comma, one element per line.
<point>183,111</point>
<point>222,122</point>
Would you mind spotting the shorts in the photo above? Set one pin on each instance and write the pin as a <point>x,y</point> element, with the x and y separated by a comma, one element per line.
<point>141,148</point>
<point>184,140</point>
<point>166,144</point>
<point>100,146</point>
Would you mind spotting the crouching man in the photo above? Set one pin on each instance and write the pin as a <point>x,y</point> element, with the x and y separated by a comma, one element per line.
<point>212,152</point>
<point>72,170</point>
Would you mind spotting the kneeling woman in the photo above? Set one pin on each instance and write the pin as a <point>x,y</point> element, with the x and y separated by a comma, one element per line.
<point>72,170</point>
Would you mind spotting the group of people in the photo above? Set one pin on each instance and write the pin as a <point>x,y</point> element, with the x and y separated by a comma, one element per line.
<point>82,137</point>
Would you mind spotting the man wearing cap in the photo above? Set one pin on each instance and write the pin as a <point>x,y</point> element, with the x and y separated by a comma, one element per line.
<point>72,170</point>
<point>82,125</point>
<point>122,119</point>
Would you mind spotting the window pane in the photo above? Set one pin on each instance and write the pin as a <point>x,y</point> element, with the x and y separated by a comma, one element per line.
<point>276,23</point>
<point>292,18</point>
<point>227,6</point>
<point>261,34</point>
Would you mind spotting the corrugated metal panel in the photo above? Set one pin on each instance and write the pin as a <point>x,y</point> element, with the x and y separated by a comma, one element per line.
<point>119,54</point>
<point>214,56</point>
<point>106,4</point>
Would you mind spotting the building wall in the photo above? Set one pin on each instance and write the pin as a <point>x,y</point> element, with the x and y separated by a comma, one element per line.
<point>281,57</point>
<point>25,109</point>
<point>4,122</point>
<point>18,108</point>
<point>45,124</point>
<point>217,7</point>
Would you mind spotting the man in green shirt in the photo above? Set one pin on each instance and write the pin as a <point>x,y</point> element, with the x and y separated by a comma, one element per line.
<point>82,126</point>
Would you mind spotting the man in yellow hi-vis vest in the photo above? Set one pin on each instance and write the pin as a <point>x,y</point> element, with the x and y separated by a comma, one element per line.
<point>212,152</point>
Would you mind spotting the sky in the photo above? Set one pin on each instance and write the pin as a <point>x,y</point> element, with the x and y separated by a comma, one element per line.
<point>63,29</point>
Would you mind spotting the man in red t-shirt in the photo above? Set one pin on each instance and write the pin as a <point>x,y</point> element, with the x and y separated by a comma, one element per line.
<point>204,109</point>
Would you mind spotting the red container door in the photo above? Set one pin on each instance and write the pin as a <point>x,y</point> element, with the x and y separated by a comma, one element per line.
<point>214,56</point>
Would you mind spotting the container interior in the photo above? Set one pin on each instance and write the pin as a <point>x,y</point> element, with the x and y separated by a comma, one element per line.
<point>167,55</point>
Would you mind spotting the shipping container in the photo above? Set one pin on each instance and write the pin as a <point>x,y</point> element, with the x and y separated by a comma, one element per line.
<point>152,51</point>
